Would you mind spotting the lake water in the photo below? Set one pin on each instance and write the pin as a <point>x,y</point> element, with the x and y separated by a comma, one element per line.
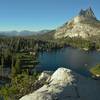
<point>75,59</point>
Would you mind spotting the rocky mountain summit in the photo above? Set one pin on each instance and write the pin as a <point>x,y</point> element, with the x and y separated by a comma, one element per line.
<point>84,25</point>
<point>64,84</point>
<point>88,13</point>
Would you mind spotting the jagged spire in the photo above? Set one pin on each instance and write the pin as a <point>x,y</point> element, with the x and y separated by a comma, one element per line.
<point>87,13</point>
<point>81,12</point>
<point>90,12</point>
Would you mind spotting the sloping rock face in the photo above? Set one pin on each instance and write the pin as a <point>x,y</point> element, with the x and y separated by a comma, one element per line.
<point>64,84</point>
<point>84,25</point>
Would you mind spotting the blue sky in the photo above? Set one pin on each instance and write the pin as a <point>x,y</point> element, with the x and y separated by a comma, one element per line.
<point>41,14</point>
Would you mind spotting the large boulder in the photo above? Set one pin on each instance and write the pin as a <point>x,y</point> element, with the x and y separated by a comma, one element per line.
<point>64,84</point>
<point>60,79</point>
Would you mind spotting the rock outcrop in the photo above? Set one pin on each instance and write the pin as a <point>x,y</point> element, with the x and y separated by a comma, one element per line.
<point>84,25</point>
<point>88,13</point>
<point>64,84</point>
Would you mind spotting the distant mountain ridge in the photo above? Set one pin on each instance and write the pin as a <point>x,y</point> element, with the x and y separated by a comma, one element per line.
<point>84,25</point>
<point>22,33</point>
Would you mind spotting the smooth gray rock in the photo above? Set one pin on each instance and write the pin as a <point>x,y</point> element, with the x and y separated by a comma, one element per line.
<point>64,84</point>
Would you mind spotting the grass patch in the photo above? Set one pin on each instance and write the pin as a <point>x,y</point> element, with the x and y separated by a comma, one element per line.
<point>95,70</point>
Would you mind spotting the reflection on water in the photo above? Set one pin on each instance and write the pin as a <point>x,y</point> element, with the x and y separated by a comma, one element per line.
<point>79,61</point>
